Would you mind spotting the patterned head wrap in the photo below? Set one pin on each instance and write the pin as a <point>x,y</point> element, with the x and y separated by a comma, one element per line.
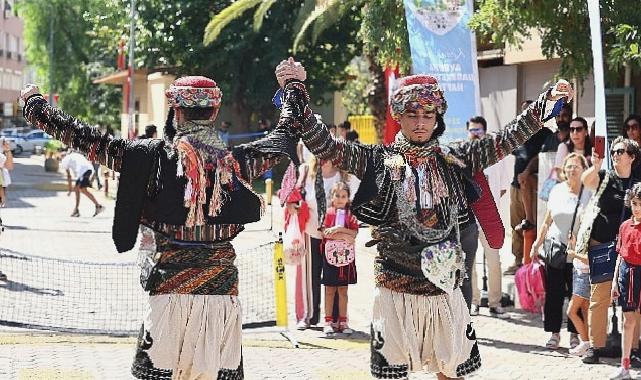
<point>417,92</point>
<point>194,91</point>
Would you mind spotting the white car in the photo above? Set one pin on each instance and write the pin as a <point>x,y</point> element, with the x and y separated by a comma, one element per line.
<point>33,139</point>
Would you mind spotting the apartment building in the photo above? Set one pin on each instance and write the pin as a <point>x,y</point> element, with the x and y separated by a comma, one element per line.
<point>12,61</point>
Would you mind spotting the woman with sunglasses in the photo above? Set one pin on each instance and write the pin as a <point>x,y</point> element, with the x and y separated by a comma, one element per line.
<point>632,128</point>
<point>600,226</point>
<point>579,143</point>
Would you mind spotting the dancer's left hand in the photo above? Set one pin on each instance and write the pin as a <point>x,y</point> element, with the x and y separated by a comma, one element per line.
<point>562,89</point>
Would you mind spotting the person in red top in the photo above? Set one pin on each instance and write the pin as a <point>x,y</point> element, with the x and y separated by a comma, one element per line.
<point>626,286</point>
<point>339,267</point>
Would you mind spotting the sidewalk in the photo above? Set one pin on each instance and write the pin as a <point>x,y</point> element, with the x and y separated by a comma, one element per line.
<point>38,223</point>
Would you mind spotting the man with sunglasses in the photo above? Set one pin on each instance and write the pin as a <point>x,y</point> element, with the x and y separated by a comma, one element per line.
<point>499,182</point>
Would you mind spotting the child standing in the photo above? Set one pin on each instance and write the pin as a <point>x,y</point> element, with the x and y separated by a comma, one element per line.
<point>626,285</point>
<point>339,266</point>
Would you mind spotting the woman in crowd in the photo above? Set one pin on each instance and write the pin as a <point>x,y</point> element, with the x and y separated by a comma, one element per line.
<point>579,142</point>
<point>599,228</point>
<point>566,201</point>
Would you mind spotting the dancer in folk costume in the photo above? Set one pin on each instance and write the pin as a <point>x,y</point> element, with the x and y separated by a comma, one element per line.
<point>192,196</point>
<point>416,192</point>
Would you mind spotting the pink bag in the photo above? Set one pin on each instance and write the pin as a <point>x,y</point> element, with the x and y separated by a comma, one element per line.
<point>530,284</point>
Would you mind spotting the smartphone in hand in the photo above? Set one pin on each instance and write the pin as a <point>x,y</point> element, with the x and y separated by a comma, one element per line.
<point>599,146</point>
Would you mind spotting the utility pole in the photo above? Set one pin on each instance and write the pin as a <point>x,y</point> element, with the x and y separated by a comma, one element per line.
<point>131,101</point>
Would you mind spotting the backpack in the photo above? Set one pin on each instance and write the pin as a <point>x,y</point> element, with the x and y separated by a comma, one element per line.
<point>530,285</point>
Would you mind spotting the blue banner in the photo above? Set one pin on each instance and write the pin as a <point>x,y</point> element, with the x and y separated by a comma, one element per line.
<point>443,46</point>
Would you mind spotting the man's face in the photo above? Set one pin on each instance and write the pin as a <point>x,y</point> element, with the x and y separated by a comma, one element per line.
<point>564,118</point>
<point>475,130</point>
<point>418,126</point>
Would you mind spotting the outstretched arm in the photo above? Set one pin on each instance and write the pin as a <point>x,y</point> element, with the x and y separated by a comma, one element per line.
<point>482,153</point>
<point>297,115</point>
<point>71,131</point>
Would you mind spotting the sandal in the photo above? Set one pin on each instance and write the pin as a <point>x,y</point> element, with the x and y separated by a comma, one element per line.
<point>554,341</point>
<point>75,214</point>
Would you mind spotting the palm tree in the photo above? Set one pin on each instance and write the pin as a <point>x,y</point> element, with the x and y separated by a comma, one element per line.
<point>383,33</point>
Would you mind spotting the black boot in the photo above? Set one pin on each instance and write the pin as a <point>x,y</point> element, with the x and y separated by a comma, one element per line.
<point>591,356</point>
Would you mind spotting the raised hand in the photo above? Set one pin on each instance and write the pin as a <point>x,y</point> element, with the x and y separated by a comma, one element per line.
<point>562,89</point>
<point>290,69</point>
<point>30,89</point>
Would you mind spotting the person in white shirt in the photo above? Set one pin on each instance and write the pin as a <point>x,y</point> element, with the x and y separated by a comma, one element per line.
<point>498,177</point>
<point>6,164</point>
<point>82,171</point>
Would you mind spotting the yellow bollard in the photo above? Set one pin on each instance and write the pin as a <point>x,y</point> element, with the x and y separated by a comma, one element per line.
<point>280,286</point>
<point>268,191</point>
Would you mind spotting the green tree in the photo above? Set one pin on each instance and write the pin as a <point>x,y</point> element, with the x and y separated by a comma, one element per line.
<point>77,58</point>
<point>565,30</point>
<point>383,34</point>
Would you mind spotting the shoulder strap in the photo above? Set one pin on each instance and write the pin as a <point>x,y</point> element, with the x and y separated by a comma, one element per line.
<point>576,208</point>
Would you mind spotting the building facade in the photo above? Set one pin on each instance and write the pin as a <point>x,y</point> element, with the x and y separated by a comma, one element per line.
<point>12,62</point>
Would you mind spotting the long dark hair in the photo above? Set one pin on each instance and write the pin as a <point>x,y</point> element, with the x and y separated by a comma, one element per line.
<point>587,148</point>
<point>624,130</point>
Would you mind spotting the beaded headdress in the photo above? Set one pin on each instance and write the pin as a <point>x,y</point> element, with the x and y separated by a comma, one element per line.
<point>418,92</point>
<point>193,92</point>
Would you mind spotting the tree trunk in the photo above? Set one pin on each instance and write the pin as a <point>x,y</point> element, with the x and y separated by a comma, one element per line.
<point>377,98</point>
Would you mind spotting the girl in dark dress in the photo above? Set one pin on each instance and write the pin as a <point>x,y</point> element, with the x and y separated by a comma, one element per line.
<point>339,266</point>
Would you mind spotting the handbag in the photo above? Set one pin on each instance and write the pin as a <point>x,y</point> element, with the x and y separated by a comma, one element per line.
<point>339,253</point>
<point>293,242</point>
<point>555,253</point>
<point>603,257</point>
<point>530,285</point>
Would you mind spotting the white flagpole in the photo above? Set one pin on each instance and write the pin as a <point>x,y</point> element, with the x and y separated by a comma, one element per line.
<point>601,130</point>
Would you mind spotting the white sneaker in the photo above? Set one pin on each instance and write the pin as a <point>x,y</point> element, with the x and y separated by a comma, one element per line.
<point>302,325</point>
<point>580,349</point>
<point>474,310</point>
<point>329,328</point>
<point>498,312</point>
<point>621,374</point>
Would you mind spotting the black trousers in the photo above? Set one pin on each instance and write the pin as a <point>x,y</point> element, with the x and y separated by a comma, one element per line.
<point>469,244</point>
<point>558,287</point>
<point>317,270</point>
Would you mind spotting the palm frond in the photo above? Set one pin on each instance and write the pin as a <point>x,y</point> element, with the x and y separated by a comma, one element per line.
<point>227,15</point>
<point>303,14</point>
<point>260,13</point>
<point>319,11</point>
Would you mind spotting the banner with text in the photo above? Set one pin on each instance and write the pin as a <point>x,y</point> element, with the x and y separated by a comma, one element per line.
<point>443,46</point>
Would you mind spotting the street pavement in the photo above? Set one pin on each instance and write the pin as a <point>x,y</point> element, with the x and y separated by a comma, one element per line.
<point>38,223</point>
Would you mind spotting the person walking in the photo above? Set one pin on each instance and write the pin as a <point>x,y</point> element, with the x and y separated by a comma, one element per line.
<point>565,206</point>
<point>78,167</point>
